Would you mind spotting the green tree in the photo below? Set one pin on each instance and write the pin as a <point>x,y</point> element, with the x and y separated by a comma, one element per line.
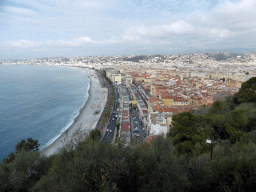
<point>247,92</point>
<point>23,172</point>
<point>250,109</point>
<point>219,107</point>
<point>26,146</point>
<point>236,136</point>
<point>236,172</point>
<point>10,158</point>
<point>189,129</point>
<point>219,122</point>
<point>237,119</point>
<point>30,145</point>
<point>95,134</point>
<point>253,136</point>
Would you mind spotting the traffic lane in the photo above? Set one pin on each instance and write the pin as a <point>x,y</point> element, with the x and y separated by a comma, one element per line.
<point>106,132</point>
<point>112,127</point>
<point>109,126</point>
<point>112,123</point>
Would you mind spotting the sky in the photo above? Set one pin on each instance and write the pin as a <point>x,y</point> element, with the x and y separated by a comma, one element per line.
<point>68,28</point>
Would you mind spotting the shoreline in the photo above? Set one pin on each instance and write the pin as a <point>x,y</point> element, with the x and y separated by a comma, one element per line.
<point>85,121</point>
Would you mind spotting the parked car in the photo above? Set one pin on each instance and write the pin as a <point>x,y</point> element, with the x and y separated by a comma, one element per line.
<point>107,129</point>
<point>110,131</point>
<point>113,119</point>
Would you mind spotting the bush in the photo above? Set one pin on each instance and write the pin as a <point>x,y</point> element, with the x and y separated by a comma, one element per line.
<point>236,172</point>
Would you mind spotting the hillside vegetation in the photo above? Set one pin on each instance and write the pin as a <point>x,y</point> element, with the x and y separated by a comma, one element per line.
<point>181,161</point>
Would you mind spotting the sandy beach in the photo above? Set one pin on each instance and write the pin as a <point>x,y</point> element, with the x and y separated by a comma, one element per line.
<point>85,121</point>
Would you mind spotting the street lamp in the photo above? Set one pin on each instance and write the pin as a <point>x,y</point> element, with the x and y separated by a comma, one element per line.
<point>211,142</point>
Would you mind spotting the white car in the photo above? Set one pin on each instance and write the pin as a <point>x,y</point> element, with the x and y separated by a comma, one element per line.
<point>110,131</point>
<point>107,129</point>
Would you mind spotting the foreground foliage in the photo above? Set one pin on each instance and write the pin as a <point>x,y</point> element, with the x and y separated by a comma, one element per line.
<point>179,162</point>
<point>94,166</point>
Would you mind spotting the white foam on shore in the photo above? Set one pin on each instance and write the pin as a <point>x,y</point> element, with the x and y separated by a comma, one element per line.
<point>73,118</point>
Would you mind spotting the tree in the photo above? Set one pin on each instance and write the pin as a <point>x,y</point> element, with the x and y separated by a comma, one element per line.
<point>247,92</point>
<point>189,129</point>
<point>95,134</point>
<point>237,136</point>
<point>10,158</point>
<point>23,172</point>
<point>202,110</point>
<point>250,109</point>
<point>237,119</point>
<point>26,146</point>
<point>236,172</point>
<point>30,145</point>
<point>219,107</point>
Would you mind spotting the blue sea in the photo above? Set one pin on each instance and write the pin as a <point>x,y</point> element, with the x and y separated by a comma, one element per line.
<point>38,102</point>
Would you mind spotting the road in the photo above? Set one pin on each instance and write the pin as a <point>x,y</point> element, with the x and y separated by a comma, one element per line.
<point>109,134</point>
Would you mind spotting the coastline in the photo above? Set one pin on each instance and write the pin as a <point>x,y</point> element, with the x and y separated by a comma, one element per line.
<point>86,119</point>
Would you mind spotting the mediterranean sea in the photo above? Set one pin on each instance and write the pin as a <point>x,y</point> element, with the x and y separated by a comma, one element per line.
<point>38,102</point>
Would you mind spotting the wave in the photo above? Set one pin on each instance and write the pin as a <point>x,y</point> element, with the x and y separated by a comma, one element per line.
<point>77,112</point>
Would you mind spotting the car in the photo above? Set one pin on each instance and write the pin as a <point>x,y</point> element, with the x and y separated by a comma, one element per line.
<point>117,109</point>
<point>110,131</point>
<point>113,119</point>
<point>116,115</point>
<point>143,129</point>
<point>107,129</point>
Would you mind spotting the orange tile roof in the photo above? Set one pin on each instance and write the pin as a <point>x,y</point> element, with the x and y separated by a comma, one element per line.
<point>170,109</point>
<point>153,99</point>
<point>158,107</point>
<point>125,126</point>
<point>150,138</point>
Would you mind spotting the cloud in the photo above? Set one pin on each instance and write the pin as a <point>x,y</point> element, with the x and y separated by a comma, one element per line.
<point>76,42</point>
<point>148,33</point>
<point>142,24</point>
<point>20,11</point>
<point>177,27</point>
<point>90,4</point>
<point>233,8</point>
<point>84,40</point>
<point>234,16</point>
<point>24,43</point>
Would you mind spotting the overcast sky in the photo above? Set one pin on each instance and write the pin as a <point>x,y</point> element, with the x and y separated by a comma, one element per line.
<point>49,28</point>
